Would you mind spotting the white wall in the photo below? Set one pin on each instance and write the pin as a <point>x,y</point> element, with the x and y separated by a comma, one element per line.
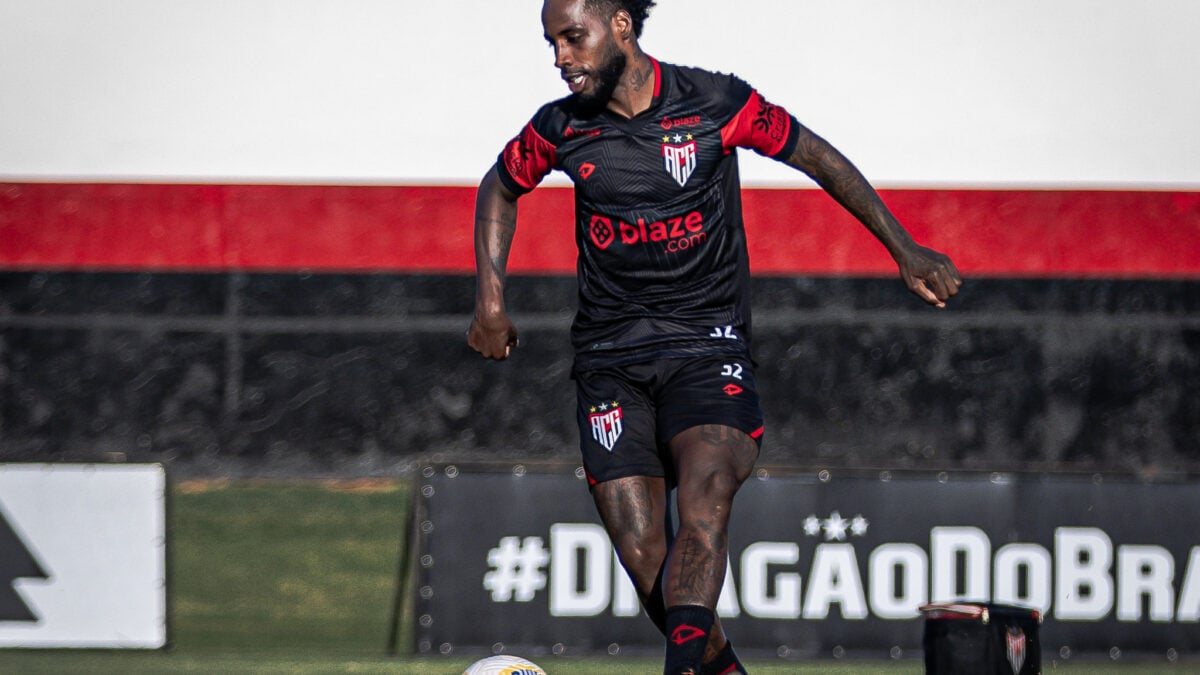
<point>917,92</point>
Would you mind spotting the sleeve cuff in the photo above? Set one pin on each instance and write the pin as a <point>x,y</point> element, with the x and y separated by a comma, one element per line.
<point>789,144</point>
<point>507,180</point>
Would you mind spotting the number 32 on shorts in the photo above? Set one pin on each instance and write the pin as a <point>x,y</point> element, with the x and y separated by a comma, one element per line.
<point>733,370</point>
<point>725,332</point>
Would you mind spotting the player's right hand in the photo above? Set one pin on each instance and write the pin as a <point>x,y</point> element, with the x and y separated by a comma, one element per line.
<point>493,336</point>
<point>929,274</point>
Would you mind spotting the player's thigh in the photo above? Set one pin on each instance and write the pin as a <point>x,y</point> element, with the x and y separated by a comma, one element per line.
<point>616,426</point>
<point>634,512</point>
<point>712,461</point>
<point>709,390</point>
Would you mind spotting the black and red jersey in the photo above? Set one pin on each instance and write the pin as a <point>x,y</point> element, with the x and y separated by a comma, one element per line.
<point>663,269</point>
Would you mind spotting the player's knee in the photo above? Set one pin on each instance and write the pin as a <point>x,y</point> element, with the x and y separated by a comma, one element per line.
<point>710,483</point>
<point>642,560</point>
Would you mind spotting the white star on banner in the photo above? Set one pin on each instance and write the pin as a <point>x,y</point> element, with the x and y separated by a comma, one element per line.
<point>678,138</point>
<point>812,526</point>
<point>835,527</point>
<point>858,525</point>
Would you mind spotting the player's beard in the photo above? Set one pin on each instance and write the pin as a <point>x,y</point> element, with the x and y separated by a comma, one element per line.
<point>606,78</point>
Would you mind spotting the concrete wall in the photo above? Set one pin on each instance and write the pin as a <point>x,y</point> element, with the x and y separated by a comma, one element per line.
<point>363,373</point>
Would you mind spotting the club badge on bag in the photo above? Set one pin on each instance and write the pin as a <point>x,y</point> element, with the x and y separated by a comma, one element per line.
<point>979,638</point>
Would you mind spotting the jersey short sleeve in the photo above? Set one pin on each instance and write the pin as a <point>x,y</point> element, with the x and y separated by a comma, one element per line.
<point>531,154</point>
<point>746,118</point>
<point>763,127</point>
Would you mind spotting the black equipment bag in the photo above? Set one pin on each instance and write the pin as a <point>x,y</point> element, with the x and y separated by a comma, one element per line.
<point>981,639</point>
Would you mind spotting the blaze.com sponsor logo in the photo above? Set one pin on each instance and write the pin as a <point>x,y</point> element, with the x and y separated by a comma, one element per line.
<point>674,234</point>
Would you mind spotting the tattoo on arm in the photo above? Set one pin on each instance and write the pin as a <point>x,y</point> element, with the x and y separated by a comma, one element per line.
<point>832,171</point>
<point>843,181</point>
<point>498,236</point>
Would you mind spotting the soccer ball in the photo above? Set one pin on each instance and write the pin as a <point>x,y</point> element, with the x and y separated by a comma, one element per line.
<point>504,665</point>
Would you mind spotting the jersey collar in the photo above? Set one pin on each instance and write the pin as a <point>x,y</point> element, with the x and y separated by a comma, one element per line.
<point>658,83</point>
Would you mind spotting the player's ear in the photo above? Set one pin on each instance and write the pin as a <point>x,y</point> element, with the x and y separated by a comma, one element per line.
<point>622,24</point>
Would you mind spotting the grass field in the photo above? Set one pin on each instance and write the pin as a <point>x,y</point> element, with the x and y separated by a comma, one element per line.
<point>301,578</point>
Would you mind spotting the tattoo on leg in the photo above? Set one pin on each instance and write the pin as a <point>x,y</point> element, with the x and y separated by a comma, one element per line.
<point>691,583</point>
<point>739,445</point>
<point>638,509</point>
<point>699,564</point>
<point>634,524</point>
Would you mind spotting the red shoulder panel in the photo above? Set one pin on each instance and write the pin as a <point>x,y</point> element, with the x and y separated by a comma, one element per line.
<point>528,157</point>
<point>760,125</point>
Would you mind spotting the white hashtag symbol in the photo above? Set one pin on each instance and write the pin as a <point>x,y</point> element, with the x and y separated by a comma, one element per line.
<point>516,569</point>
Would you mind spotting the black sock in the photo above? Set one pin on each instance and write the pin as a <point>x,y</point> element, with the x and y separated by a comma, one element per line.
<point>688,627</point>
<point>725,663</point>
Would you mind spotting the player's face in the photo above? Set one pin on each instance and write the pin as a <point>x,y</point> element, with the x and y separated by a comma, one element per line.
<point>585,50</point>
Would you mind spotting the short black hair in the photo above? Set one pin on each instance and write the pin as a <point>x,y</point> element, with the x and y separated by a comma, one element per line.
<point>638,9</point>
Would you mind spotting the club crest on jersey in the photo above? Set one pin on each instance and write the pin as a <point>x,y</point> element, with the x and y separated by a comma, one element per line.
<point>679,157</point>
<point>606,423</point>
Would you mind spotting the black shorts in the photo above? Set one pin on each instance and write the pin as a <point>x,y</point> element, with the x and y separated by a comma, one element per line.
<point>628,414</point>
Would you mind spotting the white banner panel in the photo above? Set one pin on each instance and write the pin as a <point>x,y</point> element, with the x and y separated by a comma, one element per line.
<point>82,556</point>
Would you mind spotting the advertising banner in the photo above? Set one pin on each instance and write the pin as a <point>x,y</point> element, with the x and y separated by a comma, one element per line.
<point>82,556</point>
<point>821,565</point>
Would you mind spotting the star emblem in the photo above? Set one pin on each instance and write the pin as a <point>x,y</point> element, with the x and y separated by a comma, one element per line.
<point>858,525</point>
<point>689,137</point>
<point>812,526</point>
<point>603,407</point>
<point>835,527</point>
<point>666,139</point>
<point>678,138</point>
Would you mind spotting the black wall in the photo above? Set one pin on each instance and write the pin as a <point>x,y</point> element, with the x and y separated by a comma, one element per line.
<point>362,374</point>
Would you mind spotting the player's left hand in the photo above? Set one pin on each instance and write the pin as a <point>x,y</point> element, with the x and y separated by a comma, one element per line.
<point>929,274</point>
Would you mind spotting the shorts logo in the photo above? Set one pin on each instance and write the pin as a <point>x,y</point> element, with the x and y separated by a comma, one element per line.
<point>679,157</point>
<point>732,389</point>
<point>605,420</point>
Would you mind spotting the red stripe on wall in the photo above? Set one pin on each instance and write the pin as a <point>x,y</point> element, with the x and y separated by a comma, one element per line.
<point>428,229</point>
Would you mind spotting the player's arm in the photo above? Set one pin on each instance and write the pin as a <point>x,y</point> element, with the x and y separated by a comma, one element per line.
<point>492,334</point>
<point>928,273</point>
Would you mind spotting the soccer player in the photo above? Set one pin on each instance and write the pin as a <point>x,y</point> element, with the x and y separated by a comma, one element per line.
<point>666,390</point>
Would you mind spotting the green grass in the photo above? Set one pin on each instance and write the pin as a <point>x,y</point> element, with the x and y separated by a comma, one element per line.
<point>301,577</point>
<point>266,663</point>
<point>145,664</point>
<point>285,568</point>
